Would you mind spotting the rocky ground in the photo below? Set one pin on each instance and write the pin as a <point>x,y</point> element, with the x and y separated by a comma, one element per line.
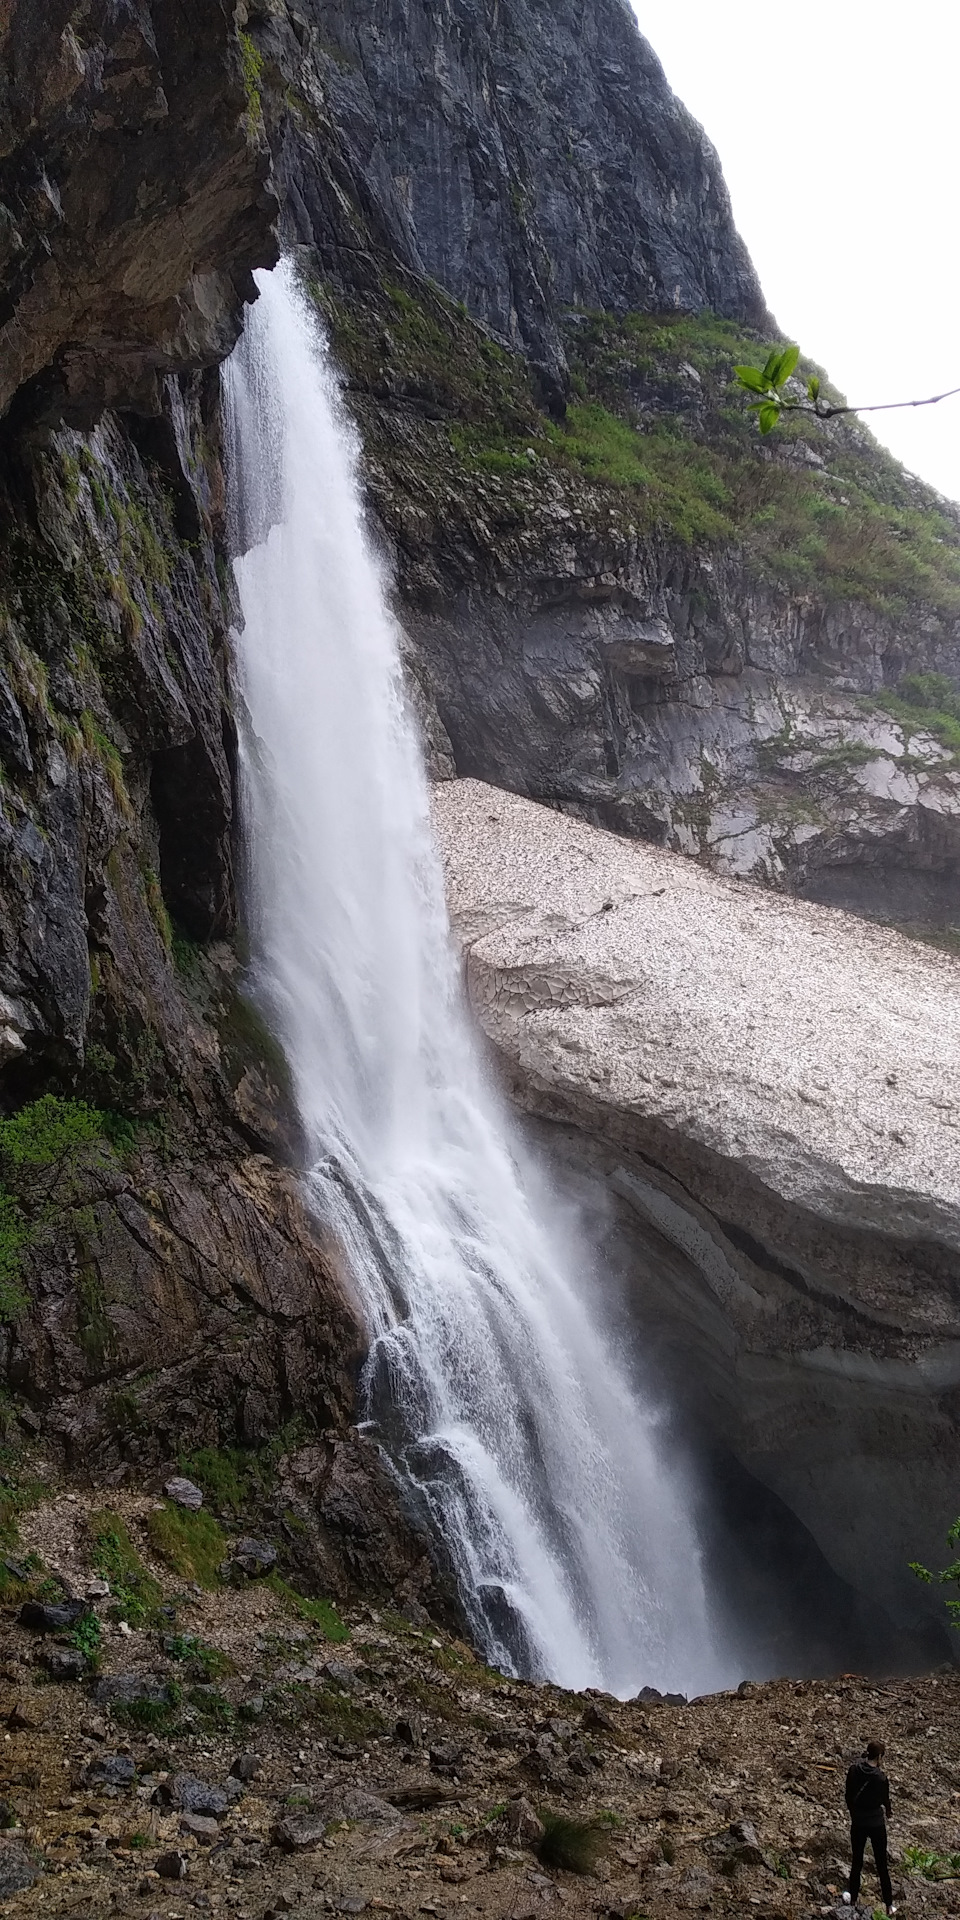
<point>242,1752</point>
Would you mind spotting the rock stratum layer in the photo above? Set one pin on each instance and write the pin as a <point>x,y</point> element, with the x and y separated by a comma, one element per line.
<point>767,1090</point>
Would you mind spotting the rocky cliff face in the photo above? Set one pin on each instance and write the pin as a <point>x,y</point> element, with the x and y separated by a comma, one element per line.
<point>163,1287</point>
<point>765,1092</point>
<point>133,197</point>
<point>642,613</point>
<point>530,161</point>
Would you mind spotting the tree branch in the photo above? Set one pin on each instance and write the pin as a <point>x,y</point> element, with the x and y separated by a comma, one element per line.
<point>820,412</point>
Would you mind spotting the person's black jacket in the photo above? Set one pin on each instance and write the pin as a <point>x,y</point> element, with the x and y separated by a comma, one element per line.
<point>867,1794</point>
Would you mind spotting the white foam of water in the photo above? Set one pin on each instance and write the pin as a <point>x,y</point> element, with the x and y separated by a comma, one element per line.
<point>489,1383</point>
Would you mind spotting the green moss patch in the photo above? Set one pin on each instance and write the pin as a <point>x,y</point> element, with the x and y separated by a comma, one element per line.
<point>319,1613</point>
<point>136,1595</point>
<point>822,507</point>
<point>192,1544</point>
<point>51,1151</point>
<point>925,703</point>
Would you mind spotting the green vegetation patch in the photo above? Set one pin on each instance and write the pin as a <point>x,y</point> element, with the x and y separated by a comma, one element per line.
<point>235,1478</point>
<point>136,1595</point>
<point>658,430</point>
<point>49,1150</point>
<point>825,509</point>
<point>201,1661</point>
<point>411,344</point>
<point>87,1636</point>
<point>319,1613</point>
<point>211,1707</point>
<point>192,1544</point>
<point>925,703</point>
<point>151,1716</point>
<point>932,1866</point>
<point>576,1846</point>
<point>251,66</point>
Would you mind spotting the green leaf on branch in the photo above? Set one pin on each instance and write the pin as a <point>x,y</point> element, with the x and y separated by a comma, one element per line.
<point>785,366</point>
<point>813,387</point>
<point>770,370</point>
<point>751,378</point>
<point>768,415</point>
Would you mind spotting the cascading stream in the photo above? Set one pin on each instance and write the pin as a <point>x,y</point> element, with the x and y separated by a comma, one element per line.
<point>511,1422</point>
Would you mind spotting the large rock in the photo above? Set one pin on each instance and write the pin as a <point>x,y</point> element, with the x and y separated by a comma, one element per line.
<point>768,1091</point>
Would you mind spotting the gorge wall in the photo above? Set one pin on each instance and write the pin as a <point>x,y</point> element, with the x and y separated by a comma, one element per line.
<point>163,1286</point>
<point>614,599</point>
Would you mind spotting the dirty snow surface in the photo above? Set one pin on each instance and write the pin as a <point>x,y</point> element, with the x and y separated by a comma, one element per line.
<point>817,1049</point>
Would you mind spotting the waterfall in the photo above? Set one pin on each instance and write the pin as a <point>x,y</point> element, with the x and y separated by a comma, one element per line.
<point>490,1385</point>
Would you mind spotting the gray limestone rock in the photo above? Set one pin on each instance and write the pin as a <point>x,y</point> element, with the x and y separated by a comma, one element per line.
<point>528,161</point>
<point>111,1770</point>
<point>65,1663</point>
<point>190,1795</point>
<point>183,1493</point>
<point>18,1871</point>
<point>45,1617</point>
<point>124,1689</point>
<point>249,1560</point>
<point>298,1832</point>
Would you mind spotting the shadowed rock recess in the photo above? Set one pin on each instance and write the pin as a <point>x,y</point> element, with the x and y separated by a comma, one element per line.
<point>614,600</point>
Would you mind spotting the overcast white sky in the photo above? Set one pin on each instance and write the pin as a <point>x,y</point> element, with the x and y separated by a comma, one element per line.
<point>838,126</point>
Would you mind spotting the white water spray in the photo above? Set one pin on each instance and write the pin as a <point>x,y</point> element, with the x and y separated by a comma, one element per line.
<point>488,1383</point>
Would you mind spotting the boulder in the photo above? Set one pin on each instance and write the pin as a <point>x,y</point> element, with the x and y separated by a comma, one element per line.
<point>65,1663</point>
<point>44,1618</point>
<point>249,1560</point>
<point>521,1824</point>
<point>190,1795</point>
<point>18,1871</point>
<point>124,1689</point>
<point>183,1493</point>
<point>111,1770</point>
<point>298,1832</point>
<point>173,1865</point>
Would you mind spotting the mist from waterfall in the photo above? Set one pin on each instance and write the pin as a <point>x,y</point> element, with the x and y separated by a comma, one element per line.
<point>511,1421</point>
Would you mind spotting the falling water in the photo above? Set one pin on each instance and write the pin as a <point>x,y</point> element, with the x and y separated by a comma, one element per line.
<point>489,1383</point>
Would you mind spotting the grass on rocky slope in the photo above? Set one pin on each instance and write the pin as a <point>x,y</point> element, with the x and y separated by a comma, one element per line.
<point>820,507</point>
<point>657,426</point>
<point>925,703</point>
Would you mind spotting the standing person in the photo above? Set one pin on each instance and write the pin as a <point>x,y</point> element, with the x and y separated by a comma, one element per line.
<point>867,1795</point>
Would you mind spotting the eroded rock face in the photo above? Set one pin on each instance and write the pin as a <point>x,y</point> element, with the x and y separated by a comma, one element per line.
<point>707,716</point>
<point>133,197</point>
<point>653,674</point>
<point>172,1289</point>
<point>767,1091</point>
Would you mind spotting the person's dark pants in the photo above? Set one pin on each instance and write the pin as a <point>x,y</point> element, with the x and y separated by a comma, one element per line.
<point>877,1837</point>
